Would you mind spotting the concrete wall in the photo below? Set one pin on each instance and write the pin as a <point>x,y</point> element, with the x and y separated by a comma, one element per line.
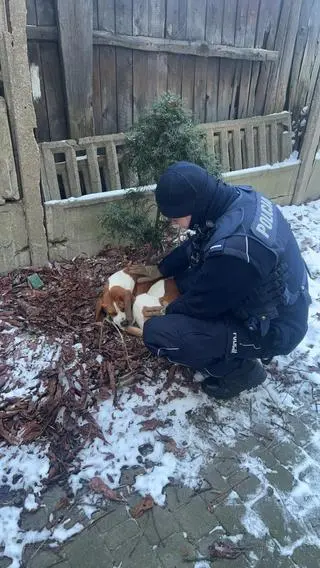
<point>276,182</point>
<point>14,249</point>
<point>73,224</point>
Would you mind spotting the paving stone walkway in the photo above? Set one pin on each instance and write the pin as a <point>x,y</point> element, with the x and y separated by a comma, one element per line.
<point>229,508</point>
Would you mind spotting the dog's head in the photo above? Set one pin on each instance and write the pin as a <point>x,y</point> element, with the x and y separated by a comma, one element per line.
<point>115,302</point>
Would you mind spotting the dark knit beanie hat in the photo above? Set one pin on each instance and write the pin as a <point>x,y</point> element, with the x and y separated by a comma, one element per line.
<point>178,187</point>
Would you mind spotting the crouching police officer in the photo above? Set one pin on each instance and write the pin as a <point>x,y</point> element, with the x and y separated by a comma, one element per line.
<point>242,279</point>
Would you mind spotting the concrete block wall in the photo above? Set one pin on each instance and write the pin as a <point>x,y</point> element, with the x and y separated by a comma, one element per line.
<point>14,246</point>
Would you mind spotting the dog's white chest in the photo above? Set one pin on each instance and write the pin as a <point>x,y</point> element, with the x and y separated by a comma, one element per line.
<point>121,279</point>
<point>142,301</point>
<point>157,289</point>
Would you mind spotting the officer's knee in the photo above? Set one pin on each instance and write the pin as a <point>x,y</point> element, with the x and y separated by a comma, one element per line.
<point>151,330</point>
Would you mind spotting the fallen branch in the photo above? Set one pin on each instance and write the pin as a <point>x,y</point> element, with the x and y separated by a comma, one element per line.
<point>113,383</point>
<point>123,342</point>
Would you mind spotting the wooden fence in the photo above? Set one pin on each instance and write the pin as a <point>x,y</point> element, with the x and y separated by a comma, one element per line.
<point>97,64</point>
<point>95,164</point>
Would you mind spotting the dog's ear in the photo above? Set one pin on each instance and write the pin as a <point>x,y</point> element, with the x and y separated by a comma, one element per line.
<point>104,304</point>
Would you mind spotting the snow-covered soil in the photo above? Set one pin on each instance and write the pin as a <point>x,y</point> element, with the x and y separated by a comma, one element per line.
<point>178,429</point>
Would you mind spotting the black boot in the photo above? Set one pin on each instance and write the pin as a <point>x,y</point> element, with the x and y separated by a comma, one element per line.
<point>249,375</point>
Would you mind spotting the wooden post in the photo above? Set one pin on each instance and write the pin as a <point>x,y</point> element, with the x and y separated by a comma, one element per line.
<point>75,28</point>
<point>18,95</point>
<point>309,148</point>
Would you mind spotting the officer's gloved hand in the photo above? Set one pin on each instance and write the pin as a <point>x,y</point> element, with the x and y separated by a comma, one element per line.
<point>145,273</point>
<point>149,312</point>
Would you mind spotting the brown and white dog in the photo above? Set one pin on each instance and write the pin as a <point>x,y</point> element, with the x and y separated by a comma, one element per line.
<point>124,300</point>
<point>159,294</point>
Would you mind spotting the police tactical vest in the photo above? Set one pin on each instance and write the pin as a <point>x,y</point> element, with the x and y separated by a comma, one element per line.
<point>253,217</point>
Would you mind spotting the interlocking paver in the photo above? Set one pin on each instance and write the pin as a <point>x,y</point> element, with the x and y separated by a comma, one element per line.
<point>46,559</point>
<point>299,431</point>
<point>117,514</point>
<point>157,524</point>
<point>175,551</point>
<point>277,475</point>
<point>195,518</point>
<point>245,484</point>
<point>283,530</point>
<point>288,454</point>
<point>276,562</point>
<point>306,556</point>
<point>136,552</point>
<point>120,533</point>
<point>229,516</point>
<point>87,550</point>
<point>177,496</point>
<point>5,562</point>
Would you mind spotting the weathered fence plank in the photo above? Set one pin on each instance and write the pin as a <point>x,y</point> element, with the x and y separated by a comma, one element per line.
<point>229,22</point>
<point>266,36</point>
<point>108,85</point>
<point>96,90</point>
<point>106,15</point>
<point>286,61</point>
<point>227,71</point>
<point>93,167</point>
<point>301,40</point>
<point>75,28</point>
<point>250,146</point>
<point>304,82</point>
<point>141,17</point>
<point>112,166</point>
<point>262,144</point>
<point>199,48</point>
<point>46,13</point>
<point>49,182</point>
<point>72,171</point>
<point>309,148</point>
<point>174,63</point>
<point>124,17</point>
<point>279,43</point>
<point>224,151</point>
<point>237,149</point>
<point>214,25</point>
<point>212,90</point>
<point>157,11</point>
<point>31,12</point>
<point>140,71</point>
<point>38,94</point>
<point>188,81</point>
<point>53,91</point>
<point>200,89</point>
<point>196,20</point>
<point>124,88</point>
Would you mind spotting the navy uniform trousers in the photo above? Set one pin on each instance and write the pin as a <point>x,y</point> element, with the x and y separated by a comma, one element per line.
<point>215,346</point>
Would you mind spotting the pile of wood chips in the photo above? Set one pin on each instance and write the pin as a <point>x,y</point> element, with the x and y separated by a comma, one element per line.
<point>63,310</point>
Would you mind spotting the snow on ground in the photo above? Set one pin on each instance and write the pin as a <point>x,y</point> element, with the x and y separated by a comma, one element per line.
<point>198,426</point>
